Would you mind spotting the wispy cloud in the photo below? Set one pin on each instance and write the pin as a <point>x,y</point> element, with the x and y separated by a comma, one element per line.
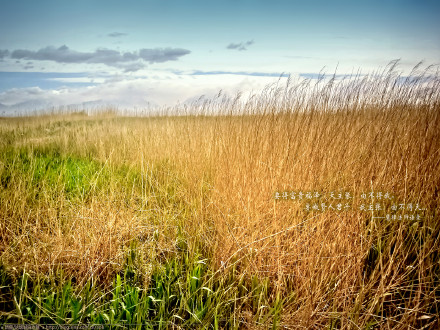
<point>241,45</point>
<point>48,80</point>
<point>117,34</point>
<point>130,61</point>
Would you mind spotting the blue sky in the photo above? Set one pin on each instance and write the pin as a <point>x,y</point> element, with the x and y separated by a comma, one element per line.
<point>132,53</point>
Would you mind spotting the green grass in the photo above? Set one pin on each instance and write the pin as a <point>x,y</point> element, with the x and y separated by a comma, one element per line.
<point>181,288</point>
<point>48,173</point>
<point>183,291</point>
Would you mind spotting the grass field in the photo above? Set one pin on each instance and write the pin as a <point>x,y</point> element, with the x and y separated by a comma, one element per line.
<point>180,220</point>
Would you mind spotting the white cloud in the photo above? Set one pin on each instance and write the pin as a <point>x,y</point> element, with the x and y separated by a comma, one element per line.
<point>164,89</point>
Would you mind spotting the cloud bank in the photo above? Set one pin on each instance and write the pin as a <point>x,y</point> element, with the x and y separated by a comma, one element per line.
<point>129,93</point>
<point>130,61</point>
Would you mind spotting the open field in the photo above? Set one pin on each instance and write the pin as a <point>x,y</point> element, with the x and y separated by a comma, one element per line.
<point>174,221</point>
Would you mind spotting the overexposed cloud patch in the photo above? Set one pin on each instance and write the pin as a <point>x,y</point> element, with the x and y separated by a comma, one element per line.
<point>128,93</point>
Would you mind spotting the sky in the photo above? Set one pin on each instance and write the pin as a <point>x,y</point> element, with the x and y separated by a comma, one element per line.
<point>145,54</point>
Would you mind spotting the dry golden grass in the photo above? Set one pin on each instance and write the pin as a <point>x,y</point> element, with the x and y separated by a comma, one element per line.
<point>373,133</point>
